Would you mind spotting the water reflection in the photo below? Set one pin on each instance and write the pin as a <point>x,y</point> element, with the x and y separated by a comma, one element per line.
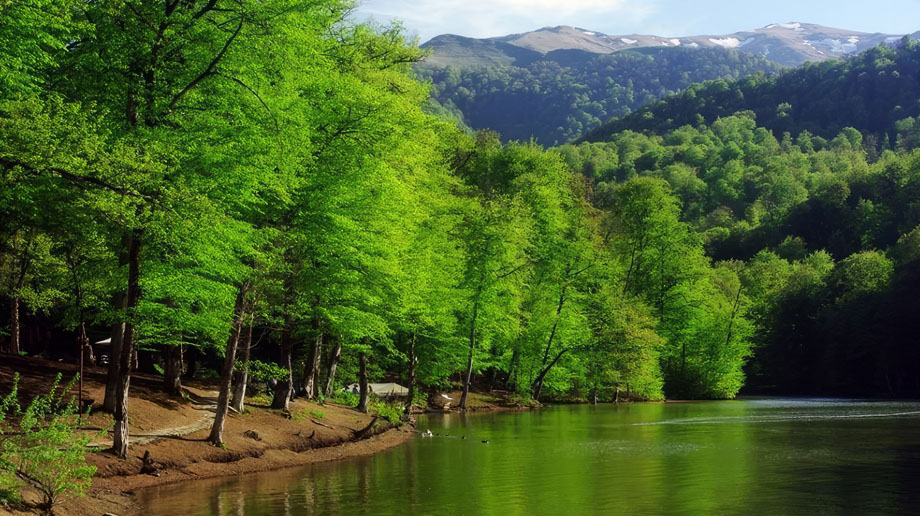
<point>795,457</point>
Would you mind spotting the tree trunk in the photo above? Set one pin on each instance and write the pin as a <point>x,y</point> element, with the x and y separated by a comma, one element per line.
<point>362,383</point>
<point>120,445</point>
<point>594,395</point>
<point>469,362</point>
<point>89,358</point>
<point>172,379</point>
<point>239,388</point>
<point>333,364</point>
<point>119,304</point>
<point>467,377</point>
<point>311,368</point>
<point>282,398</point>
<point>511,384</point>
<point>226,375</point>
<point>413,361</point>
<point>552,333</point>
<point>538,383</point>
<point>117,336</point>
<point>14,326</point>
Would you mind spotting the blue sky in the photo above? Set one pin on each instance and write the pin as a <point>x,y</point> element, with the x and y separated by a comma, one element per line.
<point>484,18</point>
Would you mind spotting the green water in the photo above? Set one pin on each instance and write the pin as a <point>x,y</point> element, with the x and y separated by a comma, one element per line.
<point>748,457</point>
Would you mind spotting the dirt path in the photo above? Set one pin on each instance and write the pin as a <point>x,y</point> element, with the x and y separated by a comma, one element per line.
<point>205,420</point>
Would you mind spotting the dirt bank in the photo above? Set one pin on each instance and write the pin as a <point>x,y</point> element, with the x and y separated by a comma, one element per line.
<point>174,428</point>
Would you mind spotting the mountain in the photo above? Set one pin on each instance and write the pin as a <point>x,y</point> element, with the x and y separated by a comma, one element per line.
<point>787,44</point>
<point>558,96</point>
<point>874,92</point>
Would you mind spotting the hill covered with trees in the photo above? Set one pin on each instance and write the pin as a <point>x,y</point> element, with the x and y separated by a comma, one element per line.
<point>824,236</point>
<point>870,92</point>
<point>561,95</point>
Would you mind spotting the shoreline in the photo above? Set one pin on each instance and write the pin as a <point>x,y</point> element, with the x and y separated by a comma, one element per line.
<point>118,494</point>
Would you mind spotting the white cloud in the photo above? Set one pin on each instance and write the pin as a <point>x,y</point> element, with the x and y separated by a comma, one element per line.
<point>486,18</point>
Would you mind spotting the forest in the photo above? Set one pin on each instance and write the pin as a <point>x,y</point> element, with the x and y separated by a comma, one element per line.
<point>191,178</point>
<point>870,92</point>
<point>566,93</point>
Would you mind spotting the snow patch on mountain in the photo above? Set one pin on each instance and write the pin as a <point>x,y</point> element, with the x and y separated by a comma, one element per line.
<point>629,41</point>
<point>836,45</point>
<point>726,42</point>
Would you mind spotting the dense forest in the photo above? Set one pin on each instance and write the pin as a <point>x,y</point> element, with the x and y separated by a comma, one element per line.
<point>870,92</point>
<point>825,237</point>
<point>564,94</point>
<point>193,178</point>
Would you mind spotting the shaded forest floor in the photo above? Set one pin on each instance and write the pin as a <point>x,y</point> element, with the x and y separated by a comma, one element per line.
<point>174,429</point>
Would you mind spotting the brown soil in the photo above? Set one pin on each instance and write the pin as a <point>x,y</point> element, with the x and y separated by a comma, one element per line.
<point>173,429</point>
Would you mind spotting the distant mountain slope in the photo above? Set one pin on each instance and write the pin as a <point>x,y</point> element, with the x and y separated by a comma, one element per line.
<point>787,44</point>
<point>869,92</point>
<point>560,95</point>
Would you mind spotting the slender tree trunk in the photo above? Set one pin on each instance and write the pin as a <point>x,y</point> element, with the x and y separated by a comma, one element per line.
<point>552,333</point>
<point>333,364</point>
<point>282,398</point>
<point>172,379</point>
<point>468,376</point>
<point>538,383</point>
<point>511,384</point>
<point>494,377</point>
<point>120,445</point>
<point>362,383</point>
<point>119,304</point>
<point>89,357</point>
<point>413,361</point>
<point>226,375</point>
<point>311,368</point>
<point>469,362</point>
<point>239,388</point>
<point>14,326</point>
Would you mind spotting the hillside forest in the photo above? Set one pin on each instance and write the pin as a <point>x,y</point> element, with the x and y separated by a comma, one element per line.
<point>557,97</point>
<point>255,191</point>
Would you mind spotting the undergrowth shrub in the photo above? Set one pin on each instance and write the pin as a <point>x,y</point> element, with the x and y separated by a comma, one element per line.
<point>42,446</point>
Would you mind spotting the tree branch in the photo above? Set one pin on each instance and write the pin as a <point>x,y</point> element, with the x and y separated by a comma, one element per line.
<point>209,70</point>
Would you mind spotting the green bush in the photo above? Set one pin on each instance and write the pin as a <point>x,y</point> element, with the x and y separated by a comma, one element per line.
<point>347,398</point>
<point>389,411</point>
<point>44,448</point>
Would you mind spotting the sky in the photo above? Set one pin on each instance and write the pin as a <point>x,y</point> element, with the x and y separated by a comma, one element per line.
<point>487,18</point>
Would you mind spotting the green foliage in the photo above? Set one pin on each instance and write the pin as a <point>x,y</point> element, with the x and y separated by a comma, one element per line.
<point>347,398</point>
<point>820,98</point>
<point>263,371</point>
<point>557,97</point>
<point>392,412</point>
<point>45,448</point>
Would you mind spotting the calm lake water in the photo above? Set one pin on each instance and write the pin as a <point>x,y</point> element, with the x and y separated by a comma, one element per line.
<point>747,457</point>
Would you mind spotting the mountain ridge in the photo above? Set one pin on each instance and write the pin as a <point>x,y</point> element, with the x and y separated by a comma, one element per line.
<point>787,44</point>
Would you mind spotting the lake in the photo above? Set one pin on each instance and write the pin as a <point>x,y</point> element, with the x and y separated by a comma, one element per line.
<point>747,457</point>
